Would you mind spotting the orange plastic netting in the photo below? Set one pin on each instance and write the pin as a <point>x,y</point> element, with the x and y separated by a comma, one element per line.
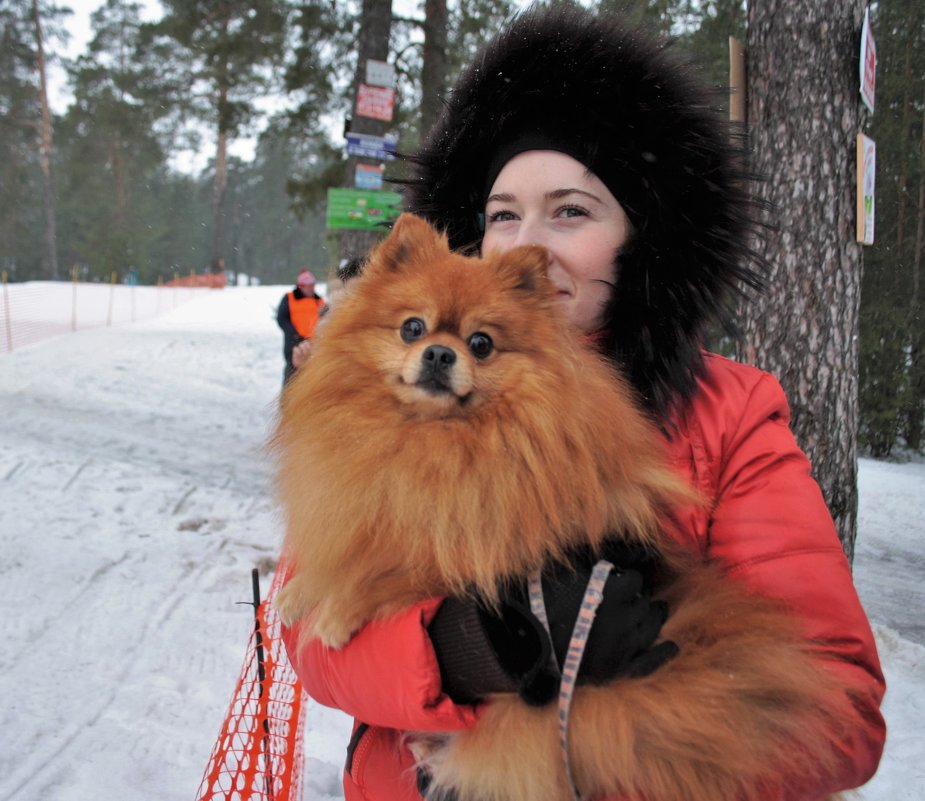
<point>258,753</point>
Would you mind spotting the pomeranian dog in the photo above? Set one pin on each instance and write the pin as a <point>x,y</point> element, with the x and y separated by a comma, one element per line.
<point>451,433</point>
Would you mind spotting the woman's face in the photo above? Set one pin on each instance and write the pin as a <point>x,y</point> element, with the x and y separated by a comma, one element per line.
<point>543,197</point>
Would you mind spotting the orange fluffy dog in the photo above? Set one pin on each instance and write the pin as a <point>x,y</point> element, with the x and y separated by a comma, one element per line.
<point>451,432</point>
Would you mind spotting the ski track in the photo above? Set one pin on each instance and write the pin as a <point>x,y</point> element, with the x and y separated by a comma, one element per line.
<point>136,500</point>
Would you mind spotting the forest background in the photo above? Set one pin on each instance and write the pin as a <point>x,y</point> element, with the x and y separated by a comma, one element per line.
<point>106,172</point>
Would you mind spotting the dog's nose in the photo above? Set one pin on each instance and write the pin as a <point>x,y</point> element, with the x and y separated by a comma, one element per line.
<point>439,357</point>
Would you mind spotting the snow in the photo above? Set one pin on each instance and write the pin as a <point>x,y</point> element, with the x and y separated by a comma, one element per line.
<point>134,500</point>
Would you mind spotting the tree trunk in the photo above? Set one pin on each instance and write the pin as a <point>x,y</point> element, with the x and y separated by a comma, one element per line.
<point>804,115</point>
<point>218,200</point>
<point>223,80</point>
<point>433,73</point>
<point>46,151</point>
<point>118,182</point>
<point>118,160</point>
<point>904,166</point>
<point>375,28</point>
<point>916,407</point>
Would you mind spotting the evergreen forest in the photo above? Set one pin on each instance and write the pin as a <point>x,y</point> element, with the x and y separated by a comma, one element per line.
<point>99,189</point>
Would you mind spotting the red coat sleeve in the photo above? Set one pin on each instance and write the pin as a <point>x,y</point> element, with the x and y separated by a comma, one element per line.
<point>387,675</point>
<point>770,528</point>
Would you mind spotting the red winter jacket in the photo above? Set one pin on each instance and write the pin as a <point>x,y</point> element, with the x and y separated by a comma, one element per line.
<point>768,526</point>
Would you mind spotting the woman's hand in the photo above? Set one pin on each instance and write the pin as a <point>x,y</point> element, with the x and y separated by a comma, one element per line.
<point>483,651</point>
<point>627,624</point>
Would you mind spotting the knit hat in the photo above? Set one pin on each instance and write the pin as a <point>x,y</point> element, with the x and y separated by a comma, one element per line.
<point>631,111</point>
<point>306,281</point>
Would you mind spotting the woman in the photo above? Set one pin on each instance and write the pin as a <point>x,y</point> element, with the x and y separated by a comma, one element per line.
<point>570,132</point>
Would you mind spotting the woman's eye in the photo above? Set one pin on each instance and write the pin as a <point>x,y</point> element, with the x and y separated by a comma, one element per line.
<point>573,211</point>
<point>413,329</point>
<point>501,216</point>
<point>480,345</point>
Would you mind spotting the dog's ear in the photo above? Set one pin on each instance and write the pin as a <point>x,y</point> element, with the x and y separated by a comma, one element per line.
<point>524,268</point>
<point>412,239</point>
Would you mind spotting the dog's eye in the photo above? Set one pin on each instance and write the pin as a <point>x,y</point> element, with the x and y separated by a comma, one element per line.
<point>481,345</point>
<point>413,328</point>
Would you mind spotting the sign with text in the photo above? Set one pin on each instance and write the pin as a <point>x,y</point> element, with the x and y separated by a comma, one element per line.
<point>381,148</point>
<point>369,176</point>
<point>375,102</point>
<point>867,166</point>
<point>379,73</point>
<point>868,64</point>
<point>360,209</point>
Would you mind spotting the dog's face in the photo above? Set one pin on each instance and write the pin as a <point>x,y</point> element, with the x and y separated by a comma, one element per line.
<point>447,334</point>
<point>440,366</point>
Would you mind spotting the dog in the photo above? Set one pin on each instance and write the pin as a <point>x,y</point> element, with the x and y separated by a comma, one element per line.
<point>451,433</point>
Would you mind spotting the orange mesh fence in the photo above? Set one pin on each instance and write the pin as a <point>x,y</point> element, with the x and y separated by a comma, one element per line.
<point>258,754</point>
<point>209,280</point>
<point>37,310</point>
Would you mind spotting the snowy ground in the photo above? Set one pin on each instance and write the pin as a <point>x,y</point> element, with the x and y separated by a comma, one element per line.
<point>134,502</point>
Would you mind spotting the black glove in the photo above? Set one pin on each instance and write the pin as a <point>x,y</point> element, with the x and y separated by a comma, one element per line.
<point>481,651</point>
<point>625,627</point>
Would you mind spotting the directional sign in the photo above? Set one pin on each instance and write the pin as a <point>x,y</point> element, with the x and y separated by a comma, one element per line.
<point>362,210</point>
<point>381,148</point>
<point>369,176</point>
<point>375,102</point>
<point>379,73</point>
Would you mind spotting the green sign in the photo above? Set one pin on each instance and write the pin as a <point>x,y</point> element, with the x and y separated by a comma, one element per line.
<point>365,210</point>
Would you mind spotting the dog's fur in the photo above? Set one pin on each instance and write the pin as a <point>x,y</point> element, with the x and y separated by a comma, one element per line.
<point>400,485</point>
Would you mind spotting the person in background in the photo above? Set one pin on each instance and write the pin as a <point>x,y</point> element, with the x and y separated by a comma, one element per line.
<point>298,315</point>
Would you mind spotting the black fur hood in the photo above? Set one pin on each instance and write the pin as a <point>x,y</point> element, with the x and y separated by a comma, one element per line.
<point>652,133</point>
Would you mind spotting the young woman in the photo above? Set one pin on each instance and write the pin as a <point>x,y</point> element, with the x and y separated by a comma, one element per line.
<point>571,132</point>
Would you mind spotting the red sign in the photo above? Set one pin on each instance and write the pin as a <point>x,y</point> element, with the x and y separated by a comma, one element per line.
<point>376,102</point>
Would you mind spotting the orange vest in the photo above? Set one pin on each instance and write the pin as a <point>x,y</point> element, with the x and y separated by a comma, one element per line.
<point>304,314</point>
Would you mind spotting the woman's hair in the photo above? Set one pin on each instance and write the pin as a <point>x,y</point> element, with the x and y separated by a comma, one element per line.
<point>631,111</point>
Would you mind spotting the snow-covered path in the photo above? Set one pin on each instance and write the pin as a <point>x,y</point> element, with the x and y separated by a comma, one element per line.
<point>889,563</point>
<point>134,501</point>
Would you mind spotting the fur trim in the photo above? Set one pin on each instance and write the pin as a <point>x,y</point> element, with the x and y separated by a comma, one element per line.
<point>652,134</point>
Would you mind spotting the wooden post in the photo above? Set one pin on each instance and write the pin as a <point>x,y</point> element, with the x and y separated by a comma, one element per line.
<point>6,315</point>
<point>74,298</point>
<point>112,292</point>
<point>737,99</point>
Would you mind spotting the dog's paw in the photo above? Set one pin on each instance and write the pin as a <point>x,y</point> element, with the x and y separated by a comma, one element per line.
<point>327,620</point>
<point>289,605</point>
<point>332,628</point>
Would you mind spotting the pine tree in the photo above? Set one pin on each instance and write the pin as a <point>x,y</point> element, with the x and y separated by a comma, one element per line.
<point>434,61</point>
<point>804,115</point>
<point>892,365</point>
<point>108,149</point>
<point>373,43</point>
<point>20,177</point>
<point>46,147</point>
<point>232,50</point>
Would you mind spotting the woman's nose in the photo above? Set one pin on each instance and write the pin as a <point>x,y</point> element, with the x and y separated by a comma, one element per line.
<point>529,232</point>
